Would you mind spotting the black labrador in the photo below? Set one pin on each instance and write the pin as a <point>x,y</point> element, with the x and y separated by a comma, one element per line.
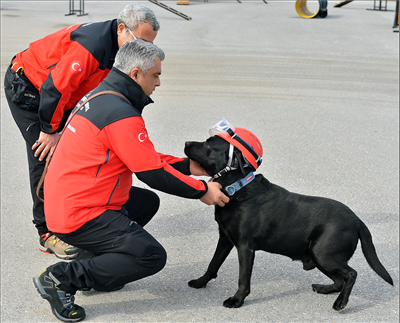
<point>318,231</point>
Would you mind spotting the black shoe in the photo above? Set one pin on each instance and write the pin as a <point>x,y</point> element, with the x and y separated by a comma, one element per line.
<point>62,303</point>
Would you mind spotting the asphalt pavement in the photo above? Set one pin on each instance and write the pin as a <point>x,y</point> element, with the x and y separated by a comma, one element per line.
<point>322,95</point>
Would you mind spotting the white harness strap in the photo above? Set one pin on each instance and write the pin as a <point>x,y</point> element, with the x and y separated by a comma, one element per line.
<point>231,147</point>
<point>228,167</point>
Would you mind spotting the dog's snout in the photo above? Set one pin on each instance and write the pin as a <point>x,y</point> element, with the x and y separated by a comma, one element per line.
<point>187,150</point>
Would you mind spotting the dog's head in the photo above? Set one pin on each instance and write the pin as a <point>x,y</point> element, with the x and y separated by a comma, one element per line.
<point>213,155</point>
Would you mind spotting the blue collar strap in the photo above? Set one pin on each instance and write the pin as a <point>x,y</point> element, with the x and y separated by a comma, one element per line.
<point>233,188</point>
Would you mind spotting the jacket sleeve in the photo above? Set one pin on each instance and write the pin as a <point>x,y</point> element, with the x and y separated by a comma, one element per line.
<point>180,164</point>
<point>129,140</point>
<point>76,66</point>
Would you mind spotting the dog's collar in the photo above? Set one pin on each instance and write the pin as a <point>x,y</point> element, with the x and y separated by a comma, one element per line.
<point>233,188</point>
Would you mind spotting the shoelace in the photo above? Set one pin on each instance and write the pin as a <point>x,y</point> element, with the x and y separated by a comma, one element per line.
<point>57,240</point>
<point>67,299</point>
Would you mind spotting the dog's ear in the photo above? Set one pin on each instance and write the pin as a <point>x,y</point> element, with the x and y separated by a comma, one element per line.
<point>238,161</point>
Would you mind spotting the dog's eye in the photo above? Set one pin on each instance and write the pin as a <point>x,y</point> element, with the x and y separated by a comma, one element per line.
<point>206,145</point>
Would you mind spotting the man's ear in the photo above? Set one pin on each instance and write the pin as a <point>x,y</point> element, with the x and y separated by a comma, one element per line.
<point>121,28</point>
<point>239,160</point>
<point>134,74</point>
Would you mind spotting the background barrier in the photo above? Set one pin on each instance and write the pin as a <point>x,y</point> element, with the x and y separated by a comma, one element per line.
<point>73,11</point>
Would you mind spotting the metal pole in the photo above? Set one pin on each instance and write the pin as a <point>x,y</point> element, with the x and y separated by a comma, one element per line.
<point>71,8</point>
<point>380,7</point>
<point>396,17</point>
<point>82,8</point>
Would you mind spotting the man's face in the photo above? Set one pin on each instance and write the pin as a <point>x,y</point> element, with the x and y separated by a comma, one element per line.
<point>144,31</point>
<point>151,80</point>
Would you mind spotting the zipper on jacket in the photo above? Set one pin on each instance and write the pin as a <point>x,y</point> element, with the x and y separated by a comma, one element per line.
<point>106,161</point>
<point>116,185</point>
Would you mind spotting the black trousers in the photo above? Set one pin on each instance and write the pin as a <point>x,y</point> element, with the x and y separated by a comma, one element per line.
<point>123,250</point>
<point>29,126</point>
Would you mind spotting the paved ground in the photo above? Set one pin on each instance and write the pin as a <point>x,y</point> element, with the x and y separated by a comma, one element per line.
<point>322,96</point>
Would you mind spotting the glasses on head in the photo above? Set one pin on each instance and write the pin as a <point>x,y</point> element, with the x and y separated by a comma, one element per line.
<point>134,38</point>
<point>221,127</point>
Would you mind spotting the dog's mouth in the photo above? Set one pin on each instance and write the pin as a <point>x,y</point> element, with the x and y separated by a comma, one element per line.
<point>195,151</point>
<point>190,148</point>
<point>211,154</point>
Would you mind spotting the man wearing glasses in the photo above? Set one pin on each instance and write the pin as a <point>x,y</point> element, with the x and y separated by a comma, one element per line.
<point>44,82</point>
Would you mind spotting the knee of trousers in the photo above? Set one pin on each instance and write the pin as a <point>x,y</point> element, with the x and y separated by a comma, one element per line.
<point>160,259</point>
<point>148,252</point>
<point>155,257</point>
<point>156,202</point>
<point>153,201</point>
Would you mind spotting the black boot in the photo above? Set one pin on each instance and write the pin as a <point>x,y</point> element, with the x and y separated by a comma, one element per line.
<point>62,303</point>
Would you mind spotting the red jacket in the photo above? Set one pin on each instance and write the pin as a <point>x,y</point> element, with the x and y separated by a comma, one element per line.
<point>103,145</point>
<point>66,65</point>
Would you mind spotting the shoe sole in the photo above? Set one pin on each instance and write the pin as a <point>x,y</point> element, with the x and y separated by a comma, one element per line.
<point>49,251</point>
<point>48,298</point>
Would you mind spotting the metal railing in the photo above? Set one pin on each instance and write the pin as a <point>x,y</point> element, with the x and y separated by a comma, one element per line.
<point>73,11</point>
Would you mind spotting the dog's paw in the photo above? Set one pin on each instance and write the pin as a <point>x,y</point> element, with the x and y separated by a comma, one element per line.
<point>340,304</point>
<point>233,302</point>
<point>202,281</point>
<point>198,283</point>
<point>324,289</point>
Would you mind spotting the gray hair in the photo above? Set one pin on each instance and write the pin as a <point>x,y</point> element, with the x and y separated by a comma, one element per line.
<point>137,54</point>
<point>134,15</point>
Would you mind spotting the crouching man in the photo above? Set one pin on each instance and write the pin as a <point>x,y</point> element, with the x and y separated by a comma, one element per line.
<point>89,198</point>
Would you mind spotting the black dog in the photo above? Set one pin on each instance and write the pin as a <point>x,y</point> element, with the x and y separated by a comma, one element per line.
<point>320,232</point>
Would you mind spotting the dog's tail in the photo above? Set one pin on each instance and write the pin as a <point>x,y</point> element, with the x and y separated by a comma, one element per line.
<point>369,252</point>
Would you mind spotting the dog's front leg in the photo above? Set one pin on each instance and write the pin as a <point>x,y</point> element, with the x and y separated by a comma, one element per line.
<point>224,247</point>
<point>246,261</point>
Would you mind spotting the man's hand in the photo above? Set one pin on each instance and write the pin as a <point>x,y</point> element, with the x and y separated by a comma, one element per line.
<point>214,196</point>
<point>44,144</point>
<point>196,169</point>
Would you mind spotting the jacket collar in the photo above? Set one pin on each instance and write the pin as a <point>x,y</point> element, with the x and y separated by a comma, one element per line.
<point>123,84</point>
